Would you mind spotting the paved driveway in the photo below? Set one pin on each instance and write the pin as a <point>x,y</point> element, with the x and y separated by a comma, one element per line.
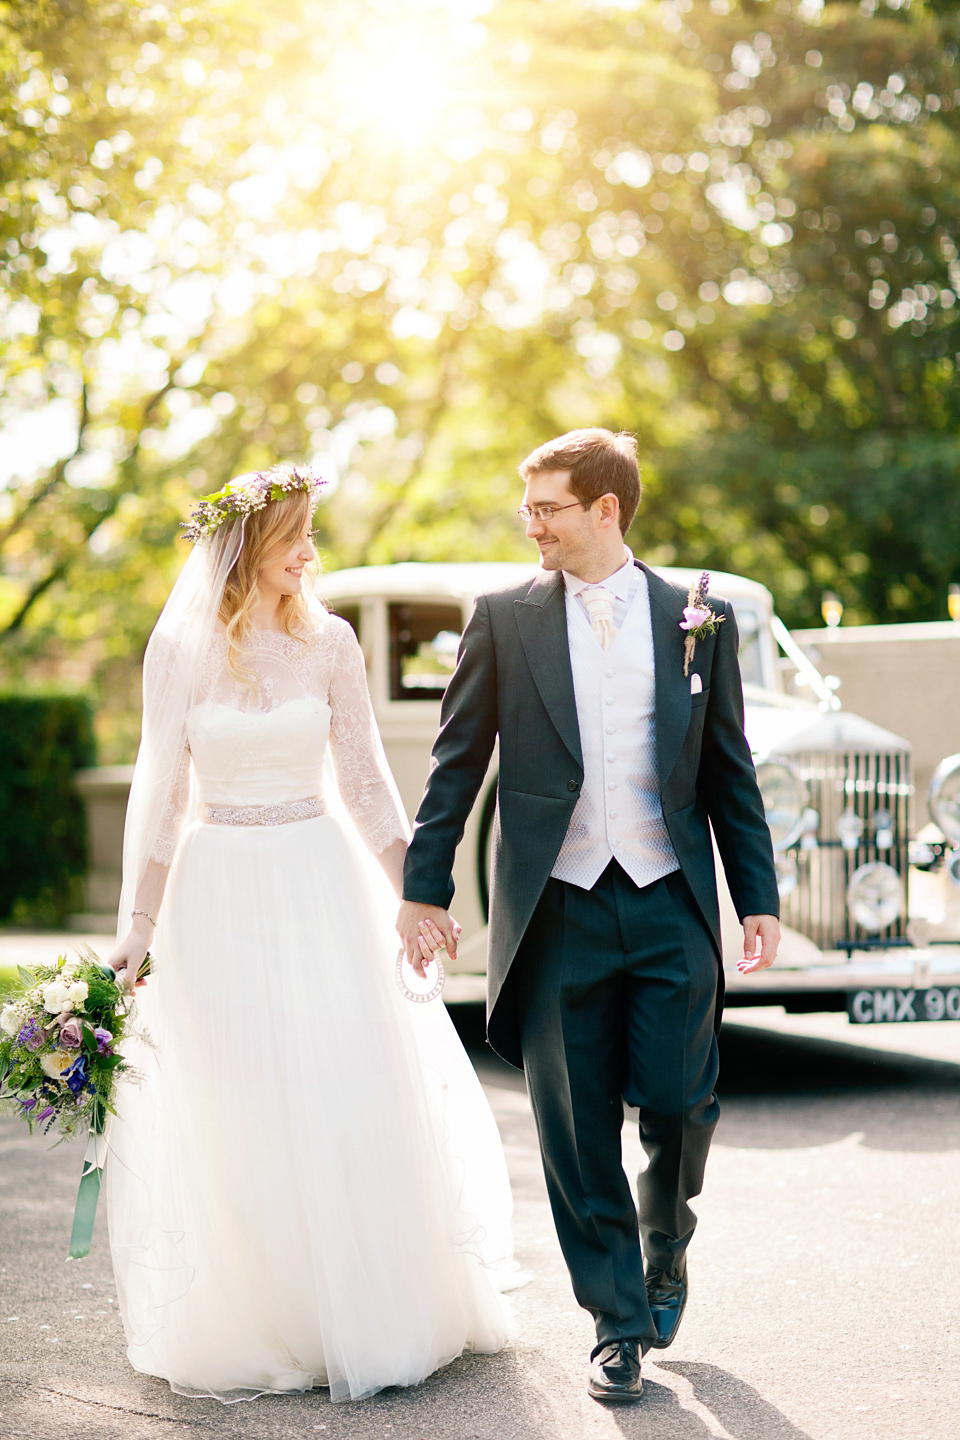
<point>826,1273</point>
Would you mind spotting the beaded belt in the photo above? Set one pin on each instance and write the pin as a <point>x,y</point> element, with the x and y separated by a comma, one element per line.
<point>281,814</point>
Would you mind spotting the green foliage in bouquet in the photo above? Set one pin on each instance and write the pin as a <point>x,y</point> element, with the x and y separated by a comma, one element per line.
<point>44,739</point>
<point>58,1043</point>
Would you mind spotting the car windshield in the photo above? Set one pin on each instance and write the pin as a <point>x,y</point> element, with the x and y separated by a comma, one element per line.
<point>424,638</point>
<point>750,626</point>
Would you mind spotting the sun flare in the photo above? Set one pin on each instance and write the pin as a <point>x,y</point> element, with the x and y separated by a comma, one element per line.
<point>401,80</point>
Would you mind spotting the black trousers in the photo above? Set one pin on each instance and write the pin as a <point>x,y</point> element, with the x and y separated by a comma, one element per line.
<point>616,991</point>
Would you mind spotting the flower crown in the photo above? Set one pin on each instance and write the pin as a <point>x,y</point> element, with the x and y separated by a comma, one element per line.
<point>246,494</point>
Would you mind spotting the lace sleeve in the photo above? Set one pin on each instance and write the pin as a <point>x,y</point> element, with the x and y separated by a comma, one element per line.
<point>363,775</point>
<point>167,780</point>
<point>171,821</point>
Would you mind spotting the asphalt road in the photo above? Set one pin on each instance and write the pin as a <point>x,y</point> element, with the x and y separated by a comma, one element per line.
<point>825,1277</point>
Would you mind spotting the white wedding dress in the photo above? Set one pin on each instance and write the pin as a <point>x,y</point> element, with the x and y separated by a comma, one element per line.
<point>306,1187</point>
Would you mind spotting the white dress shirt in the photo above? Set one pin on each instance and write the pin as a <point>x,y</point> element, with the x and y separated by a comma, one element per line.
<point>618,814</point>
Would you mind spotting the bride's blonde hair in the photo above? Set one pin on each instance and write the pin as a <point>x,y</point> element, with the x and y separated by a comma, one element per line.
<point>266,534</point>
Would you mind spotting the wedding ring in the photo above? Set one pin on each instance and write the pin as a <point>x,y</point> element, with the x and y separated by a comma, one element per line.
<point>420,997</point>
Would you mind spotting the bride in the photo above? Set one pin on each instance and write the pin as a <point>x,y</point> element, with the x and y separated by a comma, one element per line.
<point>305,1186</point>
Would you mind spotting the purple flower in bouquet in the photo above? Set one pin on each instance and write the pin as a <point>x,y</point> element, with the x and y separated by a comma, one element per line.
<point>77,1078</point>
<point>67,1083</point>
<point>103,1038</point>
<point>32,1035</point>
<point>71,1034</point>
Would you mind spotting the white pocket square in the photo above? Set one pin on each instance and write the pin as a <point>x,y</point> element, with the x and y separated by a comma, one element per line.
<point>696,685</point>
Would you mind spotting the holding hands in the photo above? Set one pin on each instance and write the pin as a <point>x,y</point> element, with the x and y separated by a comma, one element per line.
<point>425,930</point>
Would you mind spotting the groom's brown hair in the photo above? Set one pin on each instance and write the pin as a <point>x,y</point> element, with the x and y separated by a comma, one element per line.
<point>600,463</point>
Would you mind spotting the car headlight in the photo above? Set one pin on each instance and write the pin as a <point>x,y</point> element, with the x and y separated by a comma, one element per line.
<point>850,829</point>
<point>945,797</point>
<point>875,896</point>
<point>784,802</point>
<point>953,868</point>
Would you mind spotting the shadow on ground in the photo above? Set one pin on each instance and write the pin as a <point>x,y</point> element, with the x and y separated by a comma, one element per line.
<point>687,1407</point>
<point>740,1409</point>
<point>763,1062</point>
<point>789,1092</point>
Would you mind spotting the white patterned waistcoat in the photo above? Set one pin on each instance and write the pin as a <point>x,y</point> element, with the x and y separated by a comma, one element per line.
<point>618,814</point>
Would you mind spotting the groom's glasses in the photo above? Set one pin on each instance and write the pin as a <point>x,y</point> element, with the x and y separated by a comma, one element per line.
<point>543,512</point>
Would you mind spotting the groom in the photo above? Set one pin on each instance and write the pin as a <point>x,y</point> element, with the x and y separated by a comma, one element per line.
<point>605,976</point>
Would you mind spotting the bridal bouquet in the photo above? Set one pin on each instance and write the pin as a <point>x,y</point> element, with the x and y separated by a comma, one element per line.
<point>59,1060</point>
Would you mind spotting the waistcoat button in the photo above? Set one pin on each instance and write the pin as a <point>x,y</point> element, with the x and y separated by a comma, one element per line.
<point>572,785</point>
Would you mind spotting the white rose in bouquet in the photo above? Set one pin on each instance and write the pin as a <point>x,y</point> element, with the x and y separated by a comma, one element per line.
<point>77,993</point>
<point>11,1018</point>
<point>55,1062</point>
<point>56,997</point>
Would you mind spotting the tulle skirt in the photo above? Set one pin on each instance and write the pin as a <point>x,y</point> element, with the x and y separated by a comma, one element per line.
<point>306,1185</point>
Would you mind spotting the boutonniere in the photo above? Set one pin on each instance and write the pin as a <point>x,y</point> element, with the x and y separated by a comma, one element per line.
<point>698,621</point>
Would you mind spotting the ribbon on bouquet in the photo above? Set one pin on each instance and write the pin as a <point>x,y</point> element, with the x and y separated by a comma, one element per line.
<point>95,1156</point>
<point>88,1193</point>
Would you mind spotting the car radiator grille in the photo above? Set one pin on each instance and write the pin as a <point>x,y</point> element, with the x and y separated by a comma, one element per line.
<point>866,784</point>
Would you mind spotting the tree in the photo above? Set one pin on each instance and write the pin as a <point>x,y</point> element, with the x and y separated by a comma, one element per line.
<point>95,108</point>
<point>409,241</point>
<point>836,401</point>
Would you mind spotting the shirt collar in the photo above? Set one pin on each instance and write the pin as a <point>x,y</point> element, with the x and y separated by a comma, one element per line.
<point>620,583</point>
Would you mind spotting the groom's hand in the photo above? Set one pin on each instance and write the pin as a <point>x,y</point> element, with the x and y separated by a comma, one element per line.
<point>766,929</point>
<point>429,924</point>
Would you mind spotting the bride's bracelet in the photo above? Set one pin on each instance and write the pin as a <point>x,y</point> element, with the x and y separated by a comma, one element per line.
<point>145,916</point>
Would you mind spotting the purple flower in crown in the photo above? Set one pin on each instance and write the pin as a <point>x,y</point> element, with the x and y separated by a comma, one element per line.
<point>247,494</point>
<point>699,620</point>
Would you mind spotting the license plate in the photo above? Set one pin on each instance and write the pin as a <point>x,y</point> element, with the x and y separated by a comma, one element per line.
<point>895,1006</point>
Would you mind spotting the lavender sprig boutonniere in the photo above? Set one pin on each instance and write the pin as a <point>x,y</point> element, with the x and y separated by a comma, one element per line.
<point>699,620</point>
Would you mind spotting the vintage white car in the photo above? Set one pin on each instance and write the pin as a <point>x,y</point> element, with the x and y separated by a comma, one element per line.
<point>836,789</point>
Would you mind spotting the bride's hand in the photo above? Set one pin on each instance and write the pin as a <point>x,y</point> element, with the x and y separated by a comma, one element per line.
<point>130,954</point>
<point>432,940</point>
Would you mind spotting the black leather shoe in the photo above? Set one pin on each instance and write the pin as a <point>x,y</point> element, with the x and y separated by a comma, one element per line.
<point>667,1298</point>
<point>615,1373</point>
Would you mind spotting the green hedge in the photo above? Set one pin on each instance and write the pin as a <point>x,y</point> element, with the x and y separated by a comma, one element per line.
<point>44,738</point>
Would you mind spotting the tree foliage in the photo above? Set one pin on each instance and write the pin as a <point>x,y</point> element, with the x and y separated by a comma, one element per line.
<point>411,240</point>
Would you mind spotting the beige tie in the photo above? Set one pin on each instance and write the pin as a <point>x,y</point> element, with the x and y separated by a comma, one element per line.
<point>599,603</point>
